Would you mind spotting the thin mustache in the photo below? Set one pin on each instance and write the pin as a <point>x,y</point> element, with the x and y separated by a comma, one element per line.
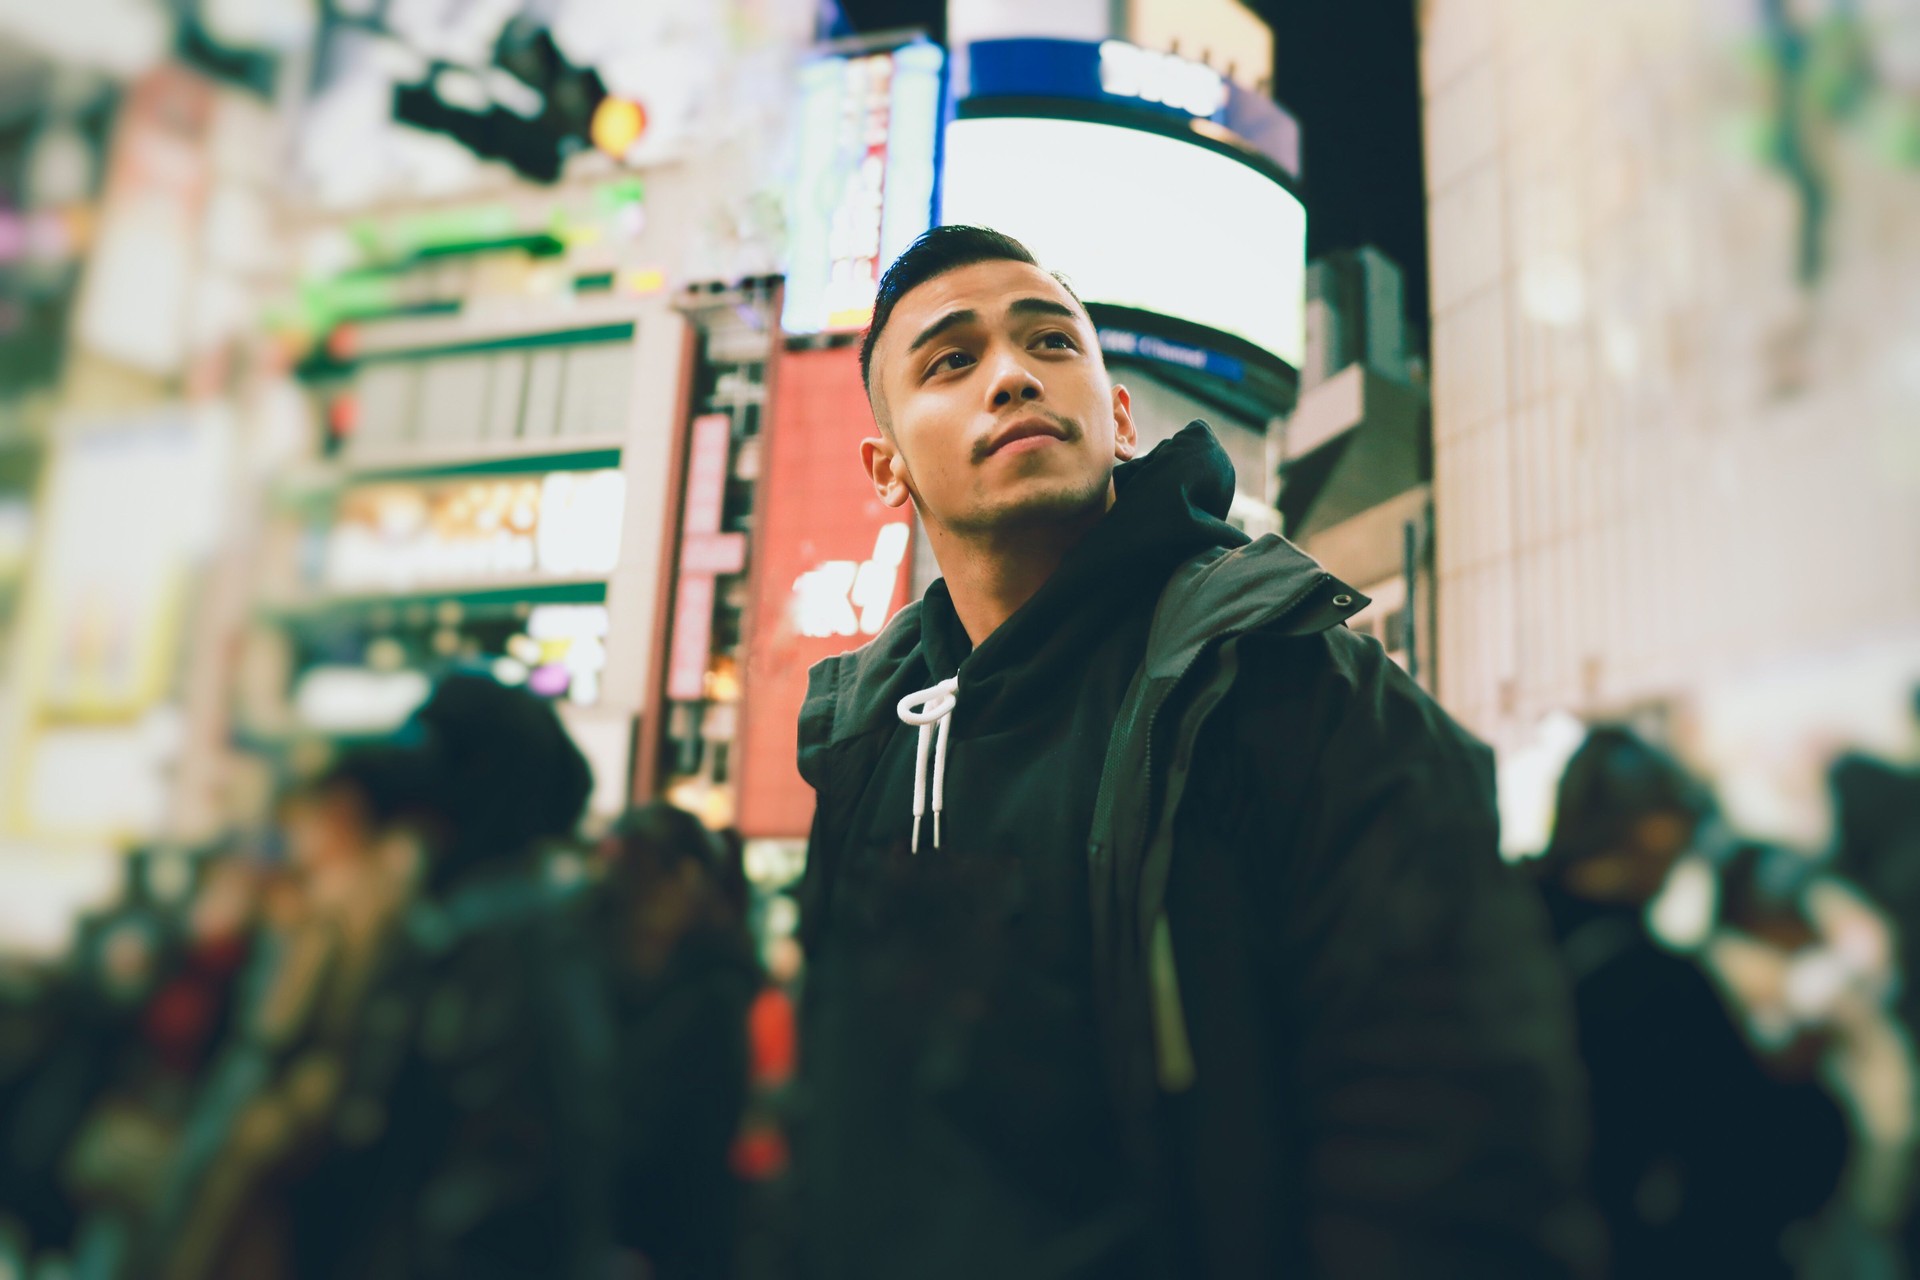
<point>1069,432</point>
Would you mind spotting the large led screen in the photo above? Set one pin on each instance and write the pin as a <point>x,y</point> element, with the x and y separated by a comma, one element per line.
<point>1140,220</point>
<point>863,181</point>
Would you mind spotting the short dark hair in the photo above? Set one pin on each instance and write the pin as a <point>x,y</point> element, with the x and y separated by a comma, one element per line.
<point>935,253</point>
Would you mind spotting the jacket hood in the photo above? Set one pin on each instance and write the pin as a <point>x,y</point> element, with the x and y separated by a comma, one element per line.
<point>1170,508</point>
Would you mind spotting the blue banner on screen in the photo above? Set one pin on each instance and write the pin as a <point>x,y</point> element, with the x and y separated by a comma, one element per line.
<point>1125,342</point>
<point>1115,73</point>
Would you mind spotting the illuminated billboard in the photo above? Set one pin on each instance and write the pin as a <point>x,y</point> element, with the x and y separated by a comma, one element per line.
<point>1140,219</point>
<point>863,180</point>
<point>830,567</point>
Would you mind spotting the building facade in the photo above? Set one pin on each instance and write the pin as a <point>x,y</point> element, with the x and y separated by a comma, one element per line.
<point>1674,351</point>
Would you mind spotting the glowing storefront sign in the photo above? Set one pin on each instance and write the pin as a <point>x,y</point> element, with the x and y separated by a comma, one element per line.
<point>863,185</point>
<point>404,535</point>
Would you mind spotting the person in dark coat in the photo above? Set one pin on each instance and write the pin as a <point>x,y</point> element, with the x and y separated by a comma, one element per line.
<point>265,1112</point>
<point>1876,808</point>
<point>471,1138</point>
<point>1155,921</point>
<point>119,959</point>
<point>684,977</point>
<point>1705,1151</point>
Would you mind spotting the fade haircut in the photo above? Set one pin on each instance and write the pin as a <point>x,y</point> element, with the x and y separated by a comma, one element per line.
<point>935,253</point>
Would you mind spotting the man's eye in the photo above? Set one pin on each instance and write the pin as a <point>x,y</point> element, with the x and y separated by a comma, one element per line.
<point>1057,340</point>
<point>951,360</point>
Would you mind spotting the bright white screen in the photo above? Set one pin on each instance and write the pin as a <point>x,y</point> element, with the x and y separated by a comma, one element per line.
<point>1139,220</point>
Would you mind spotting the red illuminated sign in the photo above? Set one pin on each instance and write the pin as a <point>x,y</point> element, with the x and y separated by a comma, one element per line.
<point>830,566</point>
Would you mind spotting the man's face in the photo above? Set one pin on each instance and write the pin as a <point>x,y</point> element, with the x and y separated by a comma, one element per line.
<point>999,411</point>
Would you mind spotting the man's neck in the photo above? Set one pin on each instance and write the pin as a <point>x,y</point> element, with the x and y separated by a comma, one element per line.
<point>990,578</point>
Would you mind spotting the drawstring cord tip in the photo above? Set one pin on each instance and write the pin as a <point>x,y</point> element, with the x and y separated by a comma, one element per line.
<point>925,710</point>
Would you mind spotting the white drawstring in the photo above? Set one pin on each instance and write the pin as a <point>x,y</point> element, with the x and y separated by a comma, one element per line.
<point>926,709</point>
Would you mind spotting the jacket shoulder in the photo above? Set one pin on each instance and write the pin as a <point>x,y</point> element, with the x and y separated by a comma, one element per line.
<point>1335,682</point>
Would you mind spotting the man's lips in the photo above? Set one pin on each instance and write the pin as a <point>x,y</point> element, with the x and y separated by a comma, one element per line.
<point>1040,429</point>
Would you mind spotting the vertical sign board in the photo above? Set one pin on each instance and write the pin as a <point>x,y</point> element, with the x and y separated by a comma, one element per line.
<point>134,511</point>
<point>139,286</point>
<point>705,554</point>
<point>830,568</point>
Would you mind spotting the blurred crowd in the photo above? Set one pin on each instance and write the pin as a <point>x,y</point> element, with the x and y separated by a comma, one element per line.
<point>435,1036</point>
<point>1743,1017</point>
<point>428,1030</point>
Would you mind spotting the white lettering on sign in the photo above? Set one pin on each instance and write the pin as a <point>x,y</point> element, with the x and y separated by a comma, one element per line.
<point>1128,71</point>
<point>1173,353</point>
<point>842,598</point>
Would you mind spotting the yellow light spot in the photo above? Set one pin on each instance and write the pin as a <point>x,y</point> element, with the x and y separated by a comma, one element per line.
<point>617,125</point>
<point>650,280</point>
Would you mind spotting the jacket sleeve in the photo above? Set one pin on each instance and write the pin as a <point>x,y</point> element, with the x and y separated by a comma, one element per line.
<point>1436,1093</point>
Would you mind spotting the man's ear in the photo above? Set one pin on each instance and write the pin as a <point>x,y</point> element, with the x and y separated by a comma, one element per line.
<point>1126,439</point>
<point>881,459</point>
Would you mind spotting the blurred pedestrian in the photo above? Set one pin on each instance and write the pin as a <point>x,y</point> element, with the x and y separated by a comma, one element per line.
<point>1155,921</point>
<point>1876,808</point>
<point>119,1162</point>
<point>684,978</point>
<point>89,1049</point>
<point>471,1138</point>
<point>1705,1151</point>
<point>1810,964</point>
<point>263,1118</point>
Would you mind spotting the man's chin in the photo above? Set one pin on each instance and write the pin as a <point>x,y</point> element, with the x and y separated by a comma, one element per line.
<point>1039,506</point>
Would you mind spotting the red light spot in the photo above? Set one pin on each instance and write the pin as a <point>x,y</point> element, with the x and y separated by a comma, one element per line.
<point>771,1033</point>
<point>343,415</point>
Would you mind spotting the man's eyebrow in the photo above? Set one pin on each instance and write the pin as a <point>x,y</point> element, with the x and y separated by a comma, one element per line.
<point>1018,307</point>
<point>1041,306</point>
<point>940,326</point>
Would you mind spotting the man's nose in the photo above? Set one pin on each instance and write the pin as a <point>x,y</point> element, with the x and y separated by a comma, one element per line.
<point>1014,381</point>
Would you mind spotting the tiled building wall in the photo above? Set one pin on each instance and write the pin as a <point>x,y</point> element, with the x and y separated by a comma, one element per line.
<point>1661,464</point>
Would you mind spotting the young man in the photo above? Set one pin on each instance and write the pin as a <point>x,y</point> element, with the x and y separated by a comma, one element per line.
<point>1155,921</point>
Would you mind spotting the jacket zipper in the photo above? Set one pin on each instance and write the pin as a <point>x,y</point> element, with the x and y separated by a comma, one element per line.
<point>1174,1065</point>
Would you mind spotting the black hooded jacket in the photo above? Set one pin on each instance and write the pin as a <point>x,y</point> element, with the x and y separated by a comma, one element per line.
<point>1215,971</point>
